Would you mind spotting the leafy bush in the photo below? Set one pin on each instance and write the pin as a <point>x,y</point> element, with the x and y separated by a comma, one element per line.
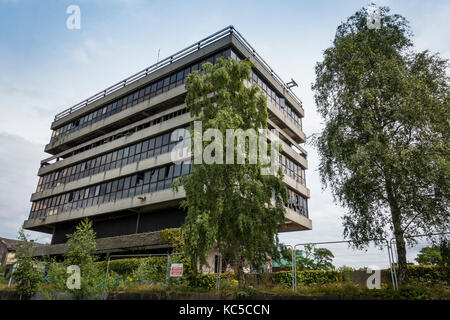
<point>427,274</point>
<point>306,277</point>
<point>80,249</point>
<point>242,293</point>
<point>174,237</point>
<point>122,267</point>
<point>208,281</point>
<point>26,274</point>
<point>152,269</point>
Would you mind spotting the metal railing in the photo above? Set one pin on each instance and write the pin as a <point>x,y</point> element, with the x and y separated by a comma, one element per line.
<point>394,256</point>
<point>386,245</point>
<point>174,57</point>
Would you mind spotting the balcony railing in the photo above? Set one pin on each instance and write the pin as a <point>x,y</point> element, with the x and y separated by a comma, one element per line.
<point>230,30</point>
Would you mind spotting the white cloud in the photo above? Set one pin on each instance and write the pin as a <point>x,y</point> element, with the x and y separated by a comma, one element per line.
<point>19,163</point>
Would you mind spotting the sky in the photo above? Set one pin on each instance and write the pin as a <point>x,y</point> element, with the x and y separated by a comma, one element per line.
<point>46,67</point>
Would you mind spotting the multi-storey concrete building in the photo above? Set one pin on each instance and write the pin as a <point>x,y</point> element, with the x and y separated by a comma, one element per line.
<point>111,153</point>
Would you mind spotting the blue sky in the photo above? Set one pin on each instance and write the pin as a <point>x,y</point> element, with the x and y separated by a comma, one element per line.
<point>45,68</point>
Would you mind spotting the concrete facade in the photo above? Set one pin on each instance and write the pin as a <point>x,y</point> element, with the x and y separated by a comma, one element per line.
<point>53,213</point>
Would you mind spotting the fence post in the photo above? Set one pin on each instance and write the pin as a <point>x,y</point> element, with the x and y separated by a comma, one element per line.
<point>106,278</point>
<point>12,274</point>
<point>394,262</point>
<point>218,272</point>
<point>294,270</point>
<point>391,264</point>
<point>169,260</point>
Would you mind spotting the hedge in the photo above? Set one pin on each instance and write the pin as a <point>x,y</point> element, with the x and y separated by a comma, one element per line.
<point>127,266</point>
<point>420,273</point>
<point>306,277</point>
<point>209,280</point>
<point>427,273</point>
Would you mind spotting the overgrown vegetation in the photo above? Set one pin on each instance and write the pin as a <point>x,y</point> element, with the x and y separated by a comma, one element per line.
<point>27,274</point>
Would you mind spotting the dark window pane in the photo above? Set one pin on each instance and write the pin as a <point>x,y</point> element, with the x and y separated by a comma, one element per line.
<point>166,81</point>
<point>147,177</point>
<point>177,170</point>
<point>186,168</point>
<point>120,185</point>
<point>169,172</point>
<point>132,150</point>
<point>138,148</point>
<point>126,184</point>
<point>145,146</point>
<point>165,139</point>
<point>161,173</point>
<point>120,154</point>
<point>151,143</point>
<point>133,181</point>
<point>158,142</point>
<point>154,177</point>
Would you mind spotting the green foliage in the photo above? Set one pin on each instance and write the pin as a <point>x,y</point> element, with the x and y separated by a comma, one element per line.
<point>429,256</point>
<point>27,275</point>
<point>174,237</point>
<point>122,267</point>
<point>81,245</point>
<point>80,249</point>
<point>282,257</point>
<point>243,292</point>
<point>306,277</point>
<point>315,259</point>
<point>152,269</point>
<point>426,274</point>
<point>445,254</point>
<point>384,150</point>
<point>208,281</point>
<point>345,270</point>
<point>229,206</point>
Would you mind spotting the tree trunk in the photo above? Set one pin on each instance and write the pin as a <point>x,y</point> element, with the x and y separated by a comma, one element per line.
<point>400,244</point>
<point>240,270</point>
<point>398,231</point>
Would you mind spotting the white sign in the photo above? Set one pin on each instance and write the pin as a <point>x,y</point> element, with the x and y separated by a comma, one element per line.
<point>176,270</point>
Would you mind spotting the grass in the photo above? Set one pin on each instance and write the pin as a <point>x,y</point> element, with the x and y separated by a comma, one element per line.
<point>4,284</point>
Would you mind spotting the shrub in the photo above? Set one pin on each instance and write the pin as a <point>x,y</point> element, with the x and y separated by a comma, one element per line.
<point>152,269</point>
<point>26,273</point>
<point>123,266</point>
<point>426,273</point>
<point>80,248</point>
<point>306,277</point>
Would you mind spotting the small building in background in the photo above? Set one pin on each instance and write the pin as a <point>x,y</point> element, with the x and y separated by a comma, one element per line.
<point>8,249</point>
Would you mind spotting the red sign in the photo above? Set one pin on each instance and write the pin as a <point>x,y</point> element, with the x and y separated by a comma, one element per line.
<point>176,270</point>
